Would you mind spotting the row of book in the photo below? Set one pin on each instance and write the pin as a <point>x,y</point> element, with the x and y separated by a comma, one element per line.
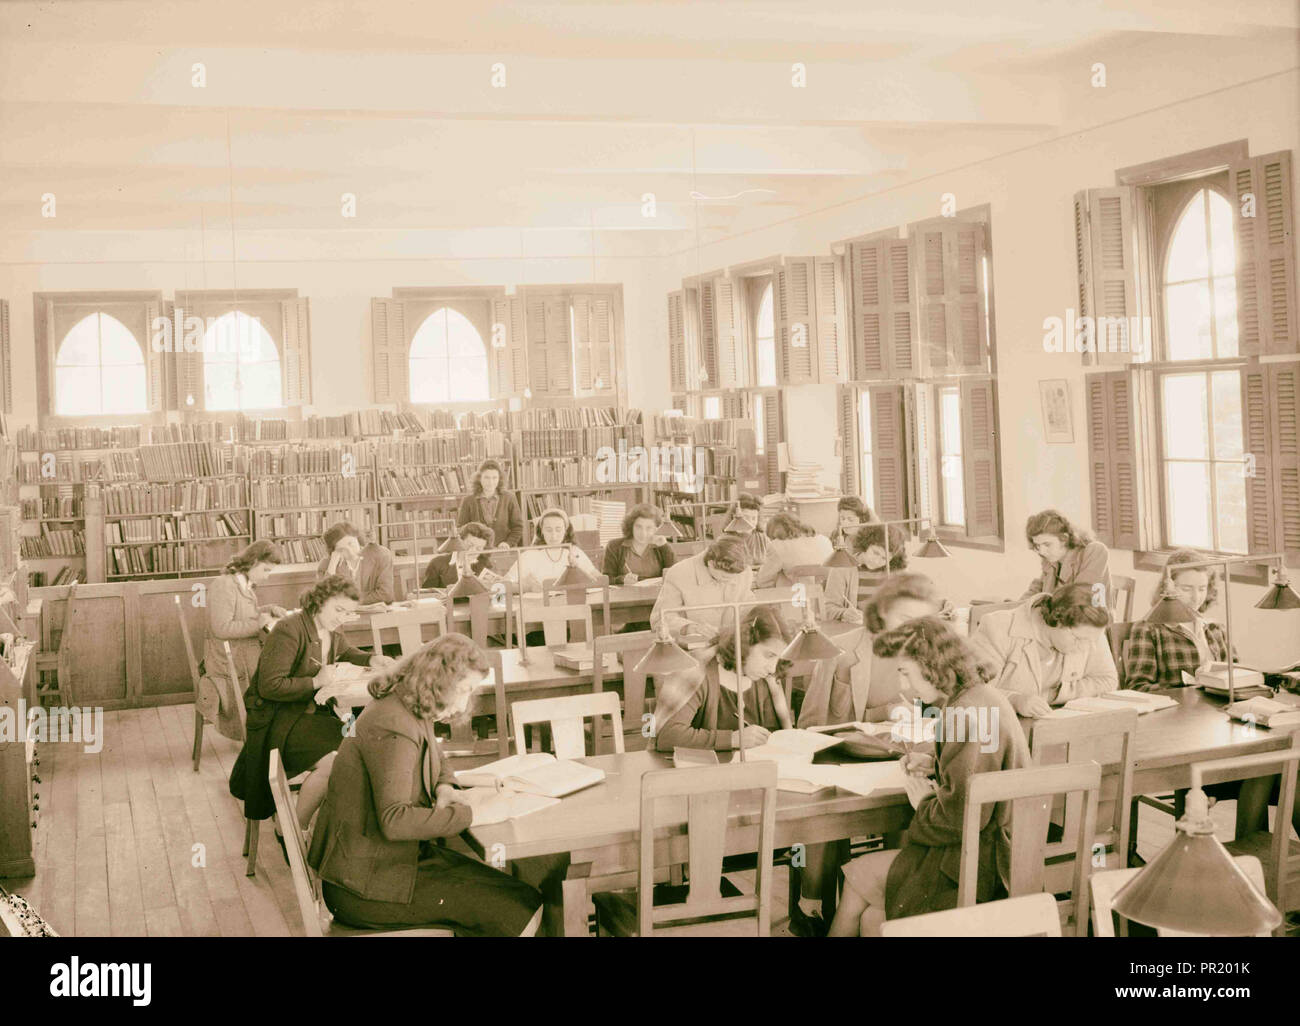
<point>401,524</point>
<point>395,484</point>
<point>169,497</point>
<point>308,459</point>
<point>140,561</point>
<point>78,468</point>
<point>54,506</point>
<point>566,441</point>
<point>547,418</point>
<point>191,526</point>
<point>449,447</point>
<point>301,550</point>
<point>52,439</point>
<point>302,523</point>
<point>53,542</point>
<point>268,493</point>
<point>574,472</point>
<point>64,575</point>
<point>178,460</point>
<point>534,505</point>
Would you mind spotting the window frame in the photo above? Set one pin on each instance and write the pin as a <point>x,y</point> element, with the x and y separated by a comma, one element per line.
<point>452,305</point>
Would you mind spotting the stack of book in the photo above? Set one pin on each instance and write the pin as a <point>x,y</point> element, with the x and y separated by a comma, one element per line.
<point>801,481</point>
<point>609,519</point>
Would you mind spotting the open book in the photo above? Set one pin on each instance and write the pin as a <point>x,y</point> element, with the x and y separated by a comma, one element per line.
<point>1142,701</point>
<point>797,773</point>
<point>534,773</point>
<point>509,804</point>
<point>1267,712</point>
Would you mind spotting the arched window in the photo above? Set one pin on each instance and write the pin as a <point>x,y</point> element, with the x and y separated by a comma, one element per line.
<point>1200,282</point>
<point>448,361</point>
<point>765,339</point>
<point>241,365</point>
<point>99,369</point>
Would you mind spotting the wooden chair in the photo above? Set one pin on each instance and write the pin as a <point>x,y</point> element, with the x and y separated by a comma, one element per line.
<point>410,624</point>
<point>1107,739</point>
<point>686,549</point>
<point>1105,885</point>
<point>1031,793</point>
<point>193,663</point>
<point>405,576</point>
<point>1030,915</point>
<point>484,607</point>
<point>556,622</point>
<point>578,597</point>
<point>252,827</point>
<point>708,792</point>
<point>565,717</point>
<point>1117,635</point>
<point>814,576</point>
<point>316,918</point>
<point>1122,590</point>
<point>631,647</point>
<point>978,610</point>
<point>464,742</point>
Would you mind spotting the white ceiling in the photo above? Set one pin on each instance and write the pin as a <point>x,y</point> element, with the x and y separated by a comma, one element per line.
<point>604,102</point>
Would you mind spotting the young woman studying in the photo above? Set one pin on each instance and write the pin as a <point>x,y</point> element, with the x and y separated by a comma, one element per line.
<point>444,571</point>
<point>234,614</point>
<point>936,668</point>
<point>1157,654</point>
<point>640,554</point>
<point>1069,555</point>
<point>368,565</point>
<point>378,843</point>
<point>790,543</point>
<point>746,509</point>
<point>488,504</point>
<point>295,663</point>
<point>1049,650</point>
<point>532,569</point>
<point>852,513</point>
<point>699,708</point>
<point>718,574</point>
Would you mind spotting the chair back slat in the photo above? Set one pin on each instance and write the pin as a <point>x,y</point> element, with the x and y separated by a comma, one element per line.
<point>1030,915</point>
<point>1117,635</point>
<point>631,647</point>
<point>708,791</point>
<point>565,716</point>
<point>305,886</point>
<point>556,621</point>
<point>237,696</point>
<point>189,647</point>
<point>410,624</point>
<point>1122,589</point>
<point>577,596</point>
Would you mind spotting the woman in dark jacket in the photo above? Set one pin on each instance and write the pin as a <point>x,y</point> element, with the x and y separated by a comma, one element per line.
<point>281,700</point>
<point>488,504</point>
<point>938,669</point>
<point>640,555</point>
<point>390,793</point>
<point>444,571</point>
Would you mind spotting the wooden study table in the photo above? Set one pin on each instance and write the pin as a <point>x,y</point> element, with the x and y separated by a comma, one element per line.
<point>598,827</point>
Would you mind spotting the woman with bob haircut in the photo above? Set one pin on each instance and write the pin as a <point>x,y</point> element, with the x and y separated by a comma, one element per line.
<point>1159,653</point>
<point>747,509</point>
<point>488,504</point>
<point>296,662</point>
<point>1069,554</point>
<point>720,573</point>
<point>641,554</point>
<point>936,668</point>
<point>391,802</point>
<point>445,570</point>
<point>367,564</point>
<point>1049,650</point>
<point>851,513</point>
<point>234,614</point>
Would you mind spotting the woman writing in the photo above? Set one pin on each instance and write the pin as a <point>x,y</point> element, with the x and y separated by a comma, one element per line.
<point>790,543</point>
<point>445,570</point>
<point>533,569</point>
<point>282,701</point>
<point>234,614</point>
<point>368,565</point>
<point>718,574</point>
<point>700,708</point>
<point>391,795</point>
<point>1069,555</point>
<point>641,554</point>
<point>488,504</point>
<point>746,511</point>
<point>1049,650</point>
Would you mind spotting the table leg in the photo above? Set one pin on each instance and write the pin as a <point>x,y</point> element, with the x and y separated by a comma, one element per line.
<point>575,904</point>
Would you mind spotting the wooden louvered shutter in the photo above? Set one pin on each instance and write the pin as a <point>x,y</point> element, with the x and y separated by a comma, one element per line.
<point>726,331</point>
<point>509,357</point>
<point>707,343</point>
<point>1267,319</point>
<point>558,334</point>
<point>796,328</point>
<point>582,342</point>
<point>296,359</point>
<point>832,332</point>
<point>772,437</point>
<point>602,343</point>
<point>870,309</point>
<point>850,446</point>
<point>954,331</point>
<point>188,360</point>
<point>388,342</point>
<point>888,451</point>
<point>6,361</point>
<point>171,361</point>
<point>1269,397</point>
<point>155,361</point>
<point>921,409</point>
<point>1112,455</point>
<point>1286,427</point>
<point>979,446</point>
<point>539,353</point>
<point>1097,390</point>
<point>676,341</point>
<point>1106,263</point>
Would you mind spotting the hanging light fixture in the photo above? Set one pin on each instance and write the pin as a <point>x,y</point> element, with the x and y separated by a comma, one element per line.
<point>574,577</point>
<point>1170,609</point>
<point>665,655</point>
<point>738,526</point>
<point>933,548</point>
<point>810,642</point>
<point>1280,594</point>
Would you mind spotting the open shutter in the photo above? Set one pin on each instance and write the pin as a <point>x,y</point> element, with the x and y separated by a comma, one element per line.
<point>796,327</point>
<point>1106,263</point>
<point>1112,459</point>
<point>1103,523</point>
<point>1286,426</point>
<point>189,365</point>
<point>888,452</point>
<point>6,361</point>
<point>850,446</point>
<point>979,446</point>
<point>772,437</point>
<point>676,341</point>
<point>1266,278</point>
<point>297,351</point>
<point>155,361</point>
<point>954,331</point>
<point>508,355</point>
<point>832,334</point>
<point>707,338</point>
<point>539,353</point>
<point>1269,404</point>
<point>388,342</point>
<point>726,331</point>
<point>602,343</point>
<point>884,318</point>
<point>558,334</point>
<point>582,341</point>
<point>921,409</point>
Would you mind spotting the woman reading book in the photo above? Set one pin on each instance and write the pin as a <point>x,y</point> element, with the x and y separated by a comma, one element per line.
<point>366,564</point>
<point>641,554</point>
<point>533,569</point>
<point>445,570</point>
<point>235,615</point>
<point>1069,554</point>
<point>700,708</point>
<point>391,802</point>
<point>937,668</point>
<point>1157,654</point>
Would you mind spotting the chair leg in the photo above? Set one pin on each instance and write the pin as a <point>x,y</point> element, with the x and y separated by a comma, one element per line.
<point>1131,856</point>
<point>252,830</point>
<point>198,739</point>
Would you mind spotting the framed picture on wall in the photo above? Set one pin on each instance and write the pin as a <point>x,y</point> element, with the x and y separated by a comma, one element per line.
<point>1058,429</point>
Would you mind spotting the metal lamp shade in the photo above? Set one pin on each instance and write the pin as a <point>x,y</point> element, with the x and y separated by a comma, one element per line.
<point>1171,610</point>
<point>574,577</point>
<point>452,544</point>
<point>1194,886</point>
<point>665,656</point>
<point>841,558</point>
<point>737,526</point>
<point>1279,596</point>
<point>810,644</point>
<point>932,549</point>
<point>466,586</point>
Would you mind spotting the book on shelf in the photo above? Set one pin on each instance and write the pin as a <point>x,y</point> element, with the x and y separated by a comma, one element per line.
<point>395,483</point>
<point>138,561</point>
<point>50,440</point>
<point>159,497</point>
<point>65,575</point>
<point>275,461</point>
<point>301,550</point>
<point>314,522</point>
<point>533,773</point>
<point>174,461</point>
<point>53,542</point>
<point>326,489</point>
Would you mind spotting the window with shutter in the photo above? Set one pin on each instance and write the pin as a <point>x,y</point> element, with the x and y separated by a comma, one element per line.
<point>884,315</point>
<point>189,365</point>
<point>1112,452</point>
<point>832,338</point>
<point>796,327</point>
<point>297,351</point>
<point>773,435</point>
<point>850,446</point>
<point>726,331</point>
<point>952,314</point>
<point>539,349</point>
<point>676,341</point>
<point>388,343</point>
<point>509,358</point>
<point>920,407</point>
<point>1098,413</point>
<point>888,454</point>
<point>1107,269</point>
<point>1269,398</point>
<point>581,312</point>
<point>1266,280</point>
<point>980,457</point>
<point>707,344</point>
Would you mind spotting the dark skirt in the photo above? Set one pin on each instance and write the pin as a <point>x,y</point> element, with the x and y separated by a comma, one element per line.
<point>310,740</point>
<point>452,891</point>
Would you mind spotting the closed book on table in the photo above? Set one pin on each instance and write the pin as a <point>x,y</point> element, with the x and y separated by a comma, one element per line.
<point>536,773</point>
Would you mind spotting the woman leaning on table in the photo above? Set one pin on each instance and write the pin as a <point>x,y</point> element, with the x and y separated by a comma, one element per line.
<point>234,614</point>
<point>295,663</point>
<point>488,504</point>
<point>367,564</point>
<point>1070,555</point>
<point>378,843</point>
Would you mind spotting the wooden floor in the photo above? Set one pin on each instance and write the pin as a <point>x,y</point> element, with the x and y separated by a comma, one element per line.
<point>132,842</point>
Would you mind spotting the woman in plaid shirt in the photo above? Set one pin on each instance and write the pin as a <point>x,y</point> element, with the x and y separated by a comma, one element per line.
<point>1158,653</point>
